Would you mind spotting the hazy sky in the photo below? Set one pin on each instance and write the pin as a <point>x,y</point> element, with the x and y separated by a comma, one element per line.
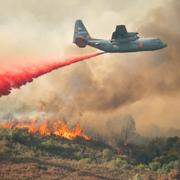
<point>30,27</point>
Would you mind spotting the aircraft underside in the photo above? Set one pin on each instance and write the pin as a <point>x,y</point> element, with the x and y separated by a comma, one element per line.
<point>123,47</point>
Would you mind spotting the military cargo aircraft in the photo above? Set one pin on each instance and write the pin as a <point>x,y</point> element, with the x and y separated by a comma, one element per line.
<point>122,41</point>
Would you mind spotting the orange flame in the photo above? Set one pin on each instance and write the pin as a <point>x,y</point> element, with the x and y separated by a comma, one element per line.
<point>46,128</point>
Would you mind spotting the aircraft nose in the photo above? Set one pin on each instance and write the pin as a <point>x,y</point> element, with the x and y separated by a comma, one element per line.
<point>164,45</point>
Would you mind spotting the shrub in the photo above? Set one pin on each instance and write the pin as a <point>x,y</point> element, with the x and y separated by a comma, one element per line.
<point>154,166</point>
<point>111,164</point>
<point>137,177</point>
<point>107,154</point>
<point>66,146</point>
<point>177,164</point>
<point>164,159</point>
<point>171,165</point>
<point>47,143</point>
<point>117,163</point>
<point>4,152</point>
<point>85,161</point>
<point>120,162</point>
<point>77,155</point>
<point>167,167</point>
<point>124,157</point>
<point>141,166</point>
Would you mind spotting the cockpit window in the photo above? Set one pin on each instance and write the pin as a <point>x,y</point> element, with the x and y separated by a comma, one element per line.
<point>157,41</point>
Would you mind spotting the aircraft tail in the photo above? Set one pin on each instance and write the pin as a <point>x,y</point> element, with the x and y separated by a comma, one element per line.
<point>81,35</point>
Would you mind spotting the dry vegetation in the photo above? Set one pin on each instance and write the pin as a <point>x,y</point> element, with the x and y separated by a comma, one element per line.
<point>31,156</point>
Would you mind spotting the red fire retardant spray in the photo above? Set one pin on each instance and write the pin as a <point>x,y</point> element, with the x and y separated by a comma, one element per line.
<point>20,75</point>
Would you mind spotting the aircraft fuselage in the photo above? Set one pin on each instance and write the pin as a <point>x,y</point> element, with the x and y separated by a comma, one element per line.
<point>142,44</point>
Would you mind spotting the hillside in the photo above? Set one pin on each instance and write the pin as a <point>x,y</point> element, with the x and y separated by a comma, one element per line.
<point>33,156</point>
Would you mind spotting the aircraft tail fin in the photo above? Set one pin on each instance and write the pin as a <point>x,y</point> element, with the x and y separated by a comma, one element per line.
<point>81,35</point>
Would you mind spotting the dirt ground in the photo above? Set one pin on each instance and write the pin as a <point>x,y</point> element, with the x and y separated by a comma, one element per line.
<point>67,170</point>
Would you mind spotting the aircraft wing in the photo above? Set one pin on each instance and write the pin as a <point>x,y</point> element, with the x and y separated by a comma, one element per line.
<point>121,34</point>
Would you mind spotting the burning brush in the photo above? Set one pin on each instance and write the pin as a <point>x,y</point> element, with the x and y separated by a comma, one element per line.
<point>47,128</point>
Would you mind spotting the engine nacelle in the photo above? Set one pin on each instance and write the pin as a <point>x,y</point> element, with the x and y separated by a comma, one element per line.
<point>131,34</point>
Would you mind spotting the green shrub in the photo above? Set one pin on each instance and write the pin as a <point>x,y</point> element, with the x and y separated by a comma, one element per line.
<point>107,154</point>
<point>164,159</point>
<point>167,167</point>
<point>4,152</point>
<point>177,164</point>
<point>18,135</point>
<point>120,162</point>
<point>66,146</point>
<point>137,177</point>
<point>117,163</point>
<point>154,166</point>
<point>141,166</point>
<point>77,155</point>
<point>29,154</point>
<point>171,164</point>
<point>47,143</point>
<point>85,161</point>
<point>124,157</point>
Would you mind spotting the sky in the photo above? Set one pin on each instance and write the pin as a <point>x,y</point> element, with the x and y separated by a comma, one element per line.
<point>143,85</point>
<point>46,27</point>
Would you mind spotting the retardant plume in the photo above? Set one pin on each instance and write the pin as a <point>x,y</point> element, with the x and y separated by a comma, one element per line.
<point>20,75</point>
